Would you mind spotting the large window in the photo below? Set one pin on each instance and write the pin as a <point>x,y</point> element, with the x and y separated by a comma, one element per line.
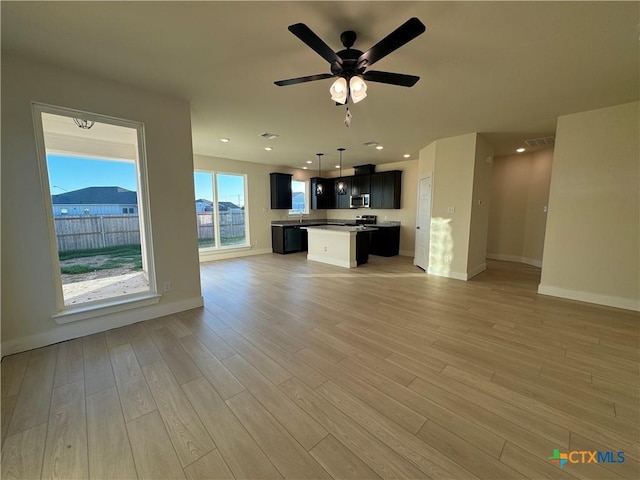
<point>299,197</point>
<point>220,209</point>
<point>93,173</point>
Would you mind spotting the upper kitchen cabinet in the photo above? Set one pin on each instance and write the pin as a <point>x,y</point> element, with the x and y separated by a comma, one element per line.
<point>386,189</point>
<point>281,191</point>
<point>360,184</point>
<point>342,201</point>
<point>326,199</point>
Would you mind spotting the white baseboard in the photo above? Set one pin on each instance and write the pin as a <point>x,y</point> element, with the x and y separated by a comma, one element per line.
<point>225,254</point>
<point>332,261</point>
<point>73,330</point>
<point>607,300</point>
<point>514,258</point>
<point>447,273</point>
<point>479,269</point>
<point>457,275</point>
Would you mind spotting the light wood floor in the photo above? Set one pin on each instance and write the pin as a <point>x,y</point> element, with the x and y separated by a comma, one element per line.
<point>301,370</point>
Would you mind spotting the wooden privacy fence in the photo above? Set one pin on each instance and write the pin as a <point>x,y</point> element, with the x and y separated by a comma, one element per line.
<point>231,225</point>
<point>96,231</point>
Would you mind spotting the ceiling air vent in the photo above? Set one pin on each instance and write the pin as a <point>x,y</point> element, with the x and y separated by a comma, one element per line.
<point>370,143</point>
<point>540,142</point>
<point>268,136</point>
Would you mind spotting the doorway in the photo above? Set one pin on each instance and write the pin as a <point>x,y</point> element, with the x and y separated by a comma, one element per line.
<point>423,224</point>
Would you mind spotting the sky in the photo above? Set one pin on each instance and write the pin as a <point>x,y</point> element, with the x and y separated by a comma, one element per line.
<point>73,173</point>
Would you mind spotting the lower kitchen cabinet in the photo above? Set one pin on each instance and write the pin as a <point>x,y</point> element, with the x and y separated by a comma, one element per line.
<point>288,239</point>
<point>385,241</point>
<point>363,244</point>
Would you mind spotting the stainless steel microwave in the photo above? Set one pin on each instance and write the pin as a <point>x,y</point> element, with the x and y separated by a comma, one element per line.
<point>360,201</point>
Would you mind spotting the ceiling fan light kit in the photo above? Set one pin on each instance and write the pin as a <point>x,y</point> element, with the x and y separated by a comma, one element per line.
<point>349,65</point>
<point>339,91</point>
<point>358,89</point>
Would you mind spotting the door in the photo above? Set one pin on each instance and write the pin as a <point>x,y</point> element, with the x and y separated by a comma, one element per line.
<point>423,224</point>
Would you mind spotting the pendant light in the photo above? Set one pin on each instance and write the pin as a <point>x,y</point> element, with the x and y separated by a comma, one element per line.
<point>84,124</point>
<point>341,187</point>
<point>319,186</point>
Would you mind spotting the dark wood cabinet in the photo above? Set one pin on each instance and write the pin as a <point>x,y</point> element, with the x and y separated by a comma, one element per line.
<point>360,184</point>
<point>288,239</point>
<point>386,189</point>
<point>342,201</point>
<point>363,246</point>
<point>385,241</point>
<point>326,200</point>
<point>281,191</point>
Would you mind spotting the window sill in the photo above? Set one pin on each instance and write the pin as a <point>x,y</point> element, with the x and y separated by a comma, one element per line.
<point>84,312</point>
<point>230,248</point>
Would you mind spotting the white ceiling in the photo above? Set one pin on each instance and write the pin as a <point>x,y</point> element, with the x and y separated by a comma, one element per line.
<point>506,69</point>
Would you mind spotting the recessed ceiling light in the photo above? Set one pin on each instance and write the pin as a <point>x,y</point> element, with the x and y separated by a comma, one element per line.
<point>224,140</point>
<point>304,168</point>
<point>309,161</point>
<point>337,166</point>
<point>268,149</point>
<point>379,147</point>
<point>406,155</point>
<point>520,150</point>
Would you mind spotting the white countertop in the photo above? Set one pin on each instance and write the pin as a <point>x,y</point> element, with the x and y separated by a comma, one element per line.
<point>341,228</point>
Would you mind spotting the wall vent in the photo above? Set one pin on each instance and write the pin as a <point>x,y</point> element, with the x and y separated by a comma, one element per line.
<point>540,142</point>
<point>268,136</point>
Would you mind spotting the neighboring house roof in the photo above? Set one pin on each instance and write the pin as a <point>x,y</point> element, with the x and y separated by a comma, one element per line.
<point>96,196</point>
<point>204,201</point>
<point>222,206</point>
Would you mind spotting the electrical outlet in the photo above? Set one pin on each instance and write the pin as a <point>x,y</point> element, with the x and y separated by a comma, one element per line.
<point>447,259</point>
<point>166,287</point>
<point>325,249</point>
<point>451,209</point>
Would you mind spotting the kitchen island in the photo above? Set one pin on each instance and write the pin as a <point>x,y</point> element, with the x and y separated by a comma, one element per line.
<point>343,246</point>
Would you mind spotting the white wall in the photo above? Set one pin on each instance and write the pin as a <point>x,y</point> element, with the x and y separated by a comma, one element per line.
<point>519,193</point>
<point>28,292</point>
<point>591,250</point>
<point>480,203</point>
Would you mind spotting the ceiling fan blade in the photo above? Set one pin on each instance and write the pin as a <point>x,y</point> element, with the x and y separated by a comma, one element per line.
<point>401,35</point>
<point>310,78</point>
<point>391,78</point>
<point>305,34</point>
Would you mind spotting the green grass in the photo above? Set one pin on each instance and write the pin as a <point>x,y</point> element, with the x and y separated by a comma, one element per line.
<point>206,242</point>
<point>117,257</point>
<point>118,251</point>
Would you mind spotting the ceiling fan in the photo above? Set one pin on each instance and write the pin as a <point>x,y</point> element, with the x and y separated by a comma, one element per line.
<point>350,64</point>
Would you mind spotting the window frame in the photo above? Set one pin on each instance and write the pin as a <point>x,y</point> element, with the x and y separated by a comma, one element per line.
<point>216,212</point>
<point>307,200</point>
<point>69,313</point>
